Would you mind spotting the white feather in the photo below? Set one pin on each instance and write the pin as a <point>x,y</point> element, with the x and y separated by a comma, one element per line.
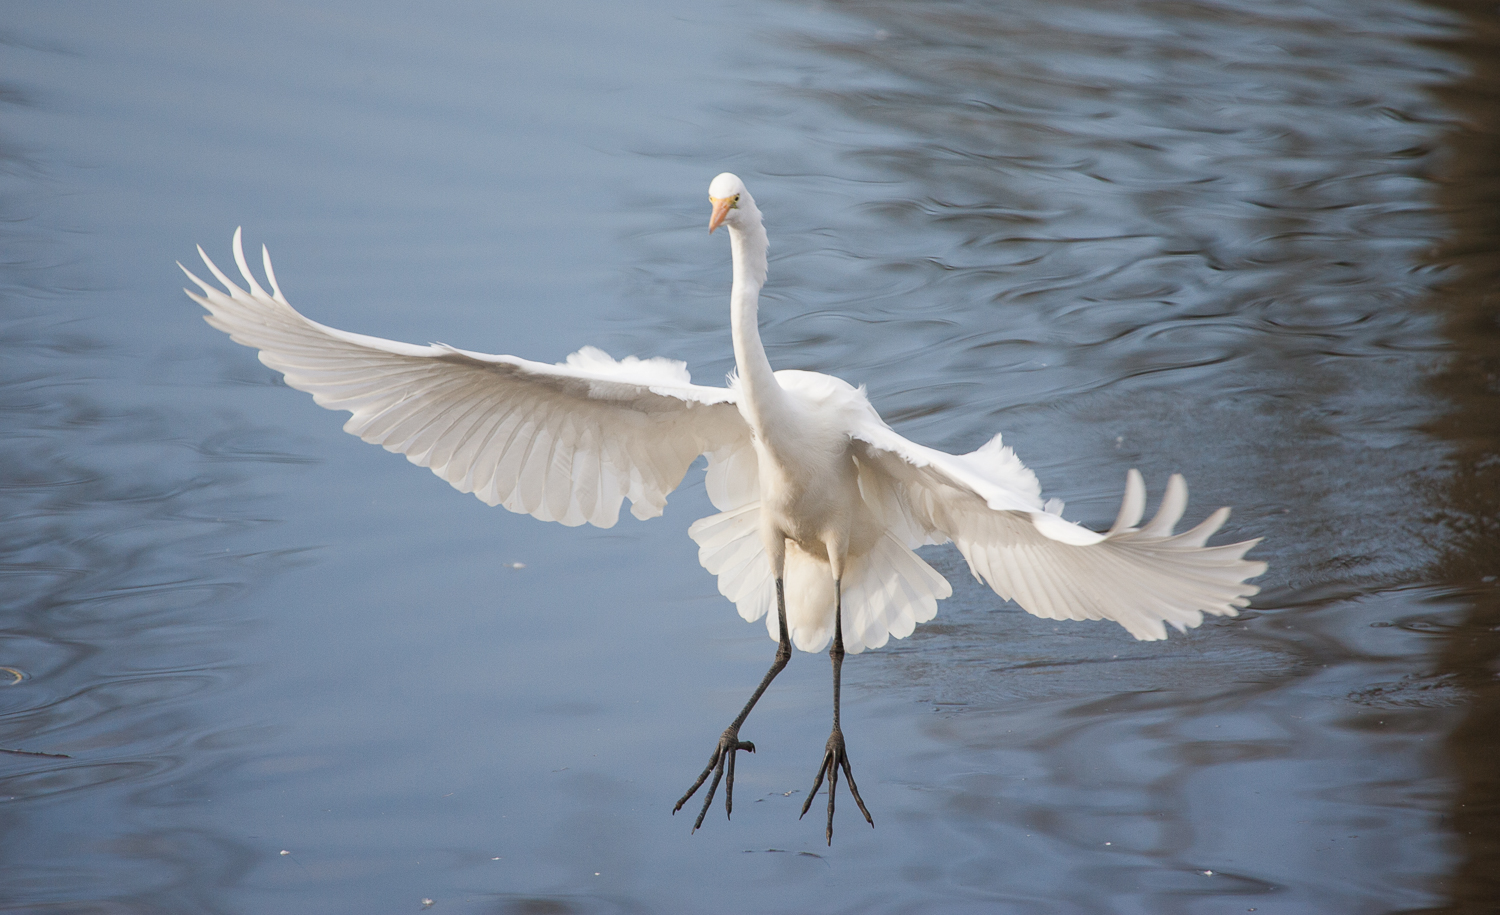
<point>792,455</point>
<point>560,442</point>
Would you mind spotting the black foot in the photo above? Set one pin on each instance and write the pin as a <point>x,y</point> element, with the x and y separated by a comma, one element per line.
<point>835,757</point>
<point>720,764</point>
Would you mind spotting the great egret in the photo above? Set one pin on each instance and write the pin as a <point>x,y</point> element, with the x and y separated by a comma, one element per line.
<point>820,502</point>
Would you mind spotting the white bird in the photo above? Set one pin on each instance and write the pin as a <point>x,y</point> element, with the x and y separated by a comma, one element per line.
<point>821,504</point>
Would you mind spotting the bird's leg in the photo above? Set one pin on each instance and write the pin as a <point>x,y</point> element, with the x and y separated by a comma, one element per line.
<point>835,757</point>
<point>721,764</point>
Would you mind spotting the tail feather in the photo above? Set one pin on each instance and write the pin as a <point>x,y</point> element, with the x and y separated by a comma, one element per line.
<point>886,593</point>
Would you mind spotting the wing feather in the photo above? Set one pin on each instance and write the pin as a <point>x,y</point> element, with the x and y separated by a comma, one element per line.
<point>1140,576</point>
<point>565,442</point>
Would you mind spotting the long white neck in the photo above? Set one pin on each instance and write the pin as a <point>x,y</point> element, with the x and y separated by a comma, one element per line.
<point>762,396</point>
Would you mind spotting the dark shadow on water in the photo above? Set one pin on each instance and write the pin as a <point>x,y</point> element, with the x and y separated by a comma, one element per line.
<point>1468,501</point>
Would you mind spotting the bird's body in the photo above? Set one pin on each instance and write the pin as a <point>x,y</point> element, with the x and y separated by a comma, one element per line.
<point>810,501</point>
<point>821,504</point>
<point>813,521</point>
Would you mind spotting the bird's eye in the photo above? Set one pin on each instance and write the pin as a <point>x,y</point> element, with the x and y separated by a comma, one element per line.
<point>735,203</point>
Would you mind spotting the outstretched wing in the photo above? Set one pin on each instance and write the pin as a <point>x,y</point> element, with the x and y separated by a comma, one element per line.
<point>560,442</point>
<point>989,505</point>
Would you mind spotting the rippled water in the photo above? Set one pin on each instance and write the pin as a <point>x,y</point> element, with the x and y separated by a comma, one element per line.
<point>256,665</point>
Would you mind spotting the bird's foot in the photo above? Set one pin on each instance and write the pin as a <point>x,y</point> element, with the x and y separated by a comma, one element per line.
<point>835,757</point>
<point>721,764</point>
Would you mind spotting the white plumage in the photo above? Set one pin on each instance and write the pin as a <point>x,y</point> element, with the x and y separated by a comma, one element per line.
<point>808,480</point>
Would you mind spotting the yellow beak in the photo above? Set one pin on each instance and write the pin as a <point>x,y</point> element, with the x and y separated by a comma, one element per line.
<point>721,210</point>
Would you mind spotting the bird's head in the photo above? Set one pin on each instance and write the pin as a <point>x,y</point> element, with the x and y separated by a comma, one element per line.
<point>730,200</point>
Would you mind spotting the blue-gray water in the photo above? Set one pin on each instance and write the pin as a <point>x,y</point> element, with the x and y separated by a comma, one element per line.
<point>1255,243</point>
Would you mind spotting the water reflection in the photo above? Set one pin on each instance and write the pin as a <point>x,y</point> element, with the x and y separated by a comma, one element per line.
<point>1468,500</point>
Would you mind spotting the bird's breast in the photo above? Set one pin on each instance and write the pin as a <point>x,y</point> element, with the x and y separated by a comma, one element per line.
<point>808,493</point>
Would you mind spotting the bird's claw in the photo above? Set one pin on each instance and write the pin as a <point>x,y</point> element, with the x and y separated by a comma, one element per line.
<point>721,764</point>
<point>835,757</point>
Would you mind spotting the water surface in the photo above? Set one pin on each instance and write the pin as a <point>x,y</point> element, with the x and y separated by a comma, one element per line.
<point>279,670</point>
